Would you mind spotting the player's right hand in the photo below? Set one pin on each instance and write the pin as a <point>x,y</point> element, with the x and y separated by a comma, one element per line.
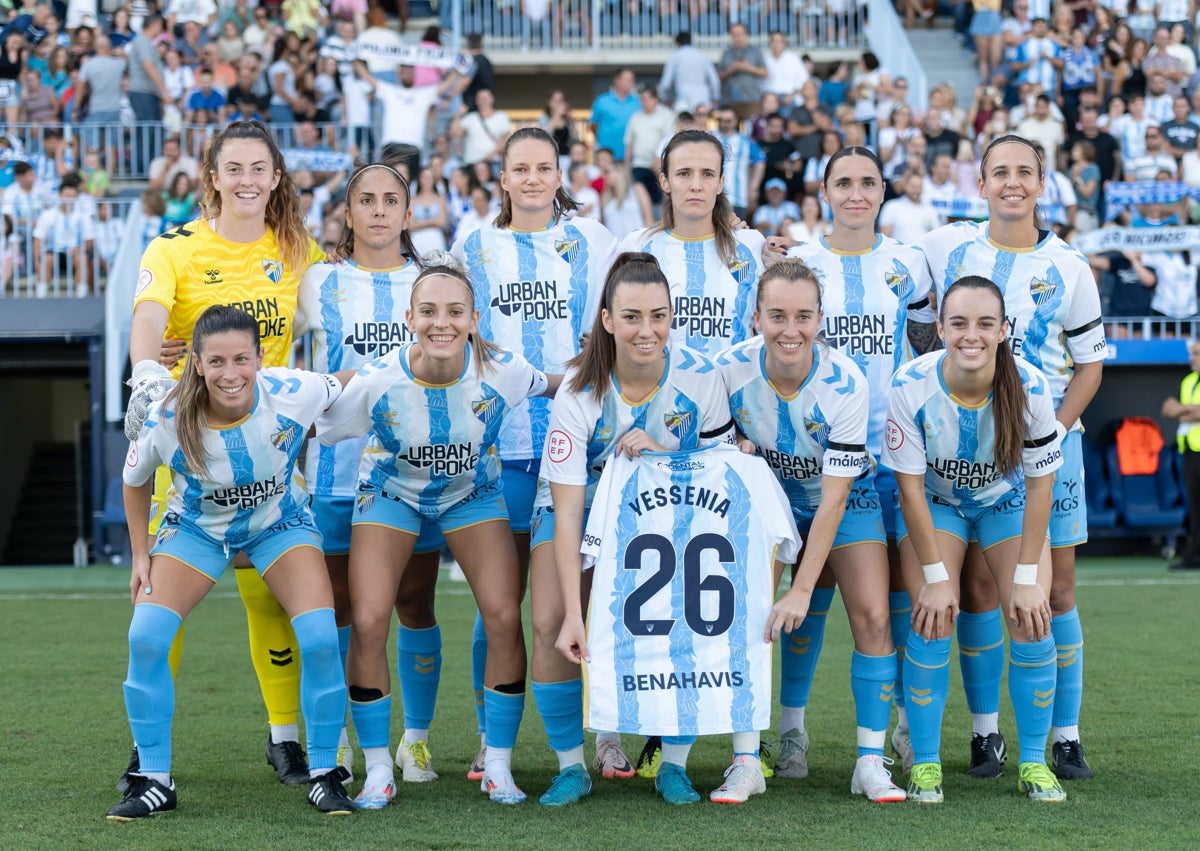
<point>150,381</point>
<point>935,611</point>
<point>139,578</point>
<point>572,640</point>
<point>788,613</point>
<point>171,352</point>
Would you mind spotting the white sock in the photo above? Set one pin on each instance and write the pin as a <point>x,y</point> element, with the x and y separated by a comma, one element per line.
<point>314,773</point>
<point>376,756</point>
<point>746,744</point>
<point>344,739</point>
<point>1065,734</point>
<point>380,775</point>
<point>568,758</point>
<point>676,754</point>
<point>500,759</point>
<point>608,736</point>
<point>791,718</point>
<point>901,718</point>
<point>412,735</point>
<point>985,723</point>
<point>163,777</point>
<point>285,733</point>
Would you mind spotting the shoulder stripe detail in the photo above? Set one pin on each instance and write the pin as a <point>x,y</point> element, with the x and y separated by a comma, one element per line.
<point>179,231</point>
<point>847,447</point>
<point>1041,441</point>
<point>1083,329</point>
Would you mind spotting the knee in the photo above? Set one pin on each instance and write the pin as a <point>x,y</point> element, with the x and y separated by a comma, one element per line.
<point>873,630</point>
<point>151,633</point>
<point>546,626</point>
<point>316,633</point>
<point>504,624</point>
<point>1062,599</point>
<point>371,625</point>
<point>978,591</point>
<point>416,611</point>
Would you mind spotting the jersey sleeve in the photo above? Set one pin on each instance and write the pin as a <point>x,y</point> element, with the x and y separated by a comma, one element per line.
<point>522,379</point>
<point>350,415</point>
<point>920,304</point>
<point>144,457</point>
<point>716,425</point>
<point>1083,327</point>
<point>846,455</point>
<point>564,458</point>
<point>903,442</point>
<point>1041,454</point>
<point>158,276</point>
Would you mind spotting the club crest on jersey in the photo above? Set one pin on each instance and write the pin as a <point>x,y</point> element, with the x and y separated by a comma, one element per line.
<point>818,431</point>
<point>485,409</point>
<point>364,502</point>
<point>679,423</point>
<point>567,249</point>
<point>897,282</point>
<point>273,270</point>
<point>740,269</point>
<point>284,440</point>
<point>167,534</point>
<point>1042,290</point>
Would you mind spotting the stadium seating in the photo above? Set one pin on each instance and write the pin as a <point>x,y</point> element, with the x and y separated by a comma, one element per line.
<point>1101,512</point>
<point>113,517</point>
<point>1147,501</point>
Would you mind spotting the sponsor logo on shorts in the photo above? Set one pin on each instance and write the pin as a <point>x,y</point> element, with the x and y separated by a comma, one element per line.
<point>1069,501</point>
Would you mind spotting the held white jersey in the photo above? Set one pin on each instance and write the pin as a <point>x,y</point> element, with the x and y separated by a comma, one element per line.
<point>355,315</point>
<point>1050,295</point>
<point>431,445</point>
<point>931,432</point>
<point>688,409</point>
<point>537,293</point>
<point>683,545</point>
<point>868,298</point>
<point>821,429</point>
<point>713,298</point>
<point>251,482</point>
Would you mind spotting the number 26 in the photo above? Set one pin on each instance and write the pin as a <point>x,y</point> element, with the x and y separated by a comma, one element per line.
<point>693,584</point>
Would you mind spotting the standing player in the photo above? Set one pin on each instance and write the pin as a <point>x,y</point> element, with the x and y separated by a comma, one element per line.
<point>712,268</point>
<point>249,249</point>
<point>537,275</point>
<point>355,312</point>
<point>626,392</point>
<point>1051,301</point>
<point>804,407</point>
<point>231,436</point>
<point>971,436</point>
<point>434,409</point>
<point>875,297</point>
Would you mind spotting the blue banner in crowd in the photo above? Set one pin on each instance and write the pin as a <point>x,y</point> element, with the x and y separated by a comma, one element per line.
<point>1118,196</point>
<point>1171,238</point>
<point>298,158</point>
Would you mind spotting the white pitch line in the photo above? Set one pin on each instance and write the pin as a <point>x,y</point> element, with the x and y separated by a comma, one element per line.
<point>106,595</point>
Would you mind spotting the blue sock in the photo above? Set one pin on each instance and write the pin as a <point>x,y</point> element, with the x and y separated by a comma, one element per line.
<point>927,680</point>
<point>561,708</point>
<point>149,689</point>
<point>344,643</point>
<point>322,685</point>
<point>1031,678</point>
<point>1068,695</point>
<point>419,670</point>
<point>802,650</point>
<point>981,656</point>
<point>900,617</point>
<point>372,721</point>
<point>478,661</point>
<point>872,681</point>
<point>504,711</point>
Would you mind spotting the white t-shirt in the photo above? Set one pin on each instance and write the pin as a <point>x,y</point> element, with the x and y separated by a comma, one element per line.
<point>405,112</point>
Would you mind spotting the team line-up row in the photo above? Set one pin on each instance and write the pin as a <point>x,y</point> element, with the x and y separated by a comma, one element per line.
<point>686,338</point>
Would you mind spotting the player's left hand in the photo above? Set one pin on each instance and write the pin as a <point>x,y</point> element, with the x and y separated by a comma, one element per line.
<point>572,640</point>
<point>747,446</point>
<point>777,248</point>
<point>139,578</point>
<point>635,441</point>
<point>788,613</point>
<point>171,352</point>
<point>1029,612</point>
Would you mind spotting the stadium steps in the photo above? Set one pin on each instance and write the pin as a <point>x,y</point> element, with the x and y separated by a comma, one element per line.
<point>43,527</point>
<point>946,61</point>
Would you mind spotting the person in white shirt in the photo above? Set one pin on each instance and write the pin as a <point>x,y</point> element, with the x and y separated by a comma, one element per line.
<point>581,190</point>
<point>1043,128</point>
<point>407,109</point>
<point>482,131</point>
<point>645,134</point>
<point>938,186</point>
<point>62,241</point>
<point>909,216</point>
<point>1152,160</point>
<point>785,72</point>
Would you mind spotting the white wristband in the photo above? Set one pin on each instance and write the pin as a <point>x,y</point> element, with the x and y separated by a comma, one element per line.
<point>1025,574</point>
<point>1060,429</point>
<point>935,572</point>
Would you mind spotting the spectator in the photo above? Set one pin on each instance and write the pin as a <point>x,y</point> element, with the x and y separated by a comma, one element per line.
<point>1180,132</point>
<point>24,201</point>
<point>586,198</point>
<point>557,122</point>
<point>1131,129</point>
<point>1159,102</point>
<point>39,105</point>
<point>260,32</point>
<point>1128,77</point>
<point>644,136</point>
<point>482,132</point>
<point>1160,61</point>
<point>54,161</point>
<point>204,105</point>
<point>1107,149</point>
<point>785,72</point>
<point>94,175</point>
<point>625,203</point>
<point>1153,159</point>
<point>782,161</point>
<point>744,164</point>
<point>987,30</point>
<point>248,90</point>
<point>1085,181</point>
<point>12,61</point>
<point>407,110</point>
<point>1131,284</point>
<point>1039,58</point>
<point>812,225</point>
<point>430,218</point>
<point>230,45</point>
<point>1058,204</point>
<point>833,90</point>
<point>1081,69</point>
<point>742,71</point>
<point>477,72</point>
<point>62,239</point>
<point>689,77</point>
<point>479,214</point>
<point>121,33</point>
<point>1186,409</point>
<point>611,113</point>
<point>180,200</point>
<point>938,188</point>
<point>1181,49</point>
<point>1013,33</point>
<point>870,83</point>
<point>778,213</point>
<point>909,216</point>
<point>939,139</point>
<point>178,78</point>
<point>99,86</point>
<point>203,13</point>
<point>284,99</point>
<point>168,163</point>
<point>814,167</point>
<point>757,125</point>
<point>1043,129</point>
<point>892,144</point>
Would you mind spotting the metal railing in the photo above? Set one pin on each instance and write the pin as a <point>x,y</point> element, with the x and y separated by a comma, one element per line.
<point>1151,328</point>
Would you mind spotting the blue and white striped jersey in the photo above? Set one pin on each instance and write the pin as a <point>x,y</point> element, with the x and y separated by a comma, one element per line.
<point>430,445</point>
<point>688,409</point>
<point>868,297</point>
<point>821,429</point>
<point>683,545</point>
<point>537,293</point>
<point>741,155</point>
<point>931,432</point>
<point>251,482</point>
<point>713,298</point>
<point>1050,296</point>
<point>355,315</point>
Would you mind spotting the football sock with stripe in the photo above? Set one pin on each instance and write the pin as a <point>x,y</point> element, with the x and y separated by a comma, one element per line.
<point>419,672</point>
<point>801,649</point>
<point>149,689</point>
<point>1068,695</point>
<point>478,663</point>
<point>927,679</point>
<point>272,648</point>
<point>872,681</point>
<point>981,657</point>
<point>1031,677</point>
<point>322,685</point>
<point>900,620</point>
<point>561,708</point>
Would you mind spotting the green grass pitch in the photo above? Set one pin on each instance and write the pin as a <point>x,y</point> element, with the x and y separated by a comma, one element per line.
<point>65,739</point>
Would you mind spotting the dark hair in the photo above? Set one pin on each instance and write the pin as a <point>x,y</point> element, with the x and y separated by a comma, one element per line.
<point>71,180</point>
<point>21,168</point>
<point>1007,139</point>
<point>474,41</point>
<point>345,245</point>
<point>563,202</point>
<point>869,60</point>
<point>850,151</point>
<point>1008,396</point>
<point>683,39</point>
<point>482,351</point>
<point>722,210</point>
<point>594,365</point>
<point>190,395</point>
<point>789,269</point>
<point>432,33</point>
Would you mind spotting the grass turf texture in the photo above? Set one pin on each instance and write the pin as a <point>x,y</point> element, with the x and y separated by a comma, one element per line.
<point>65,739</point>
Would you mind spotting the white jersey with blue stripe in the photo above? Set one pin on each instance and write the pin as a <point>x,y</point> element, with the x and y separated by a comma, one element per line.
<point>821,429</point>
<point>683,546</point>
<point>355,316</point>
<point>689,408</point>
<point>741,155</point>
<point>537,293</point>
<point>929,431</point>
<point>1050,296</point>
<point>251,482</point>
<point>868,298</point>
<point>713,298</point>
<point>431,445</point>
